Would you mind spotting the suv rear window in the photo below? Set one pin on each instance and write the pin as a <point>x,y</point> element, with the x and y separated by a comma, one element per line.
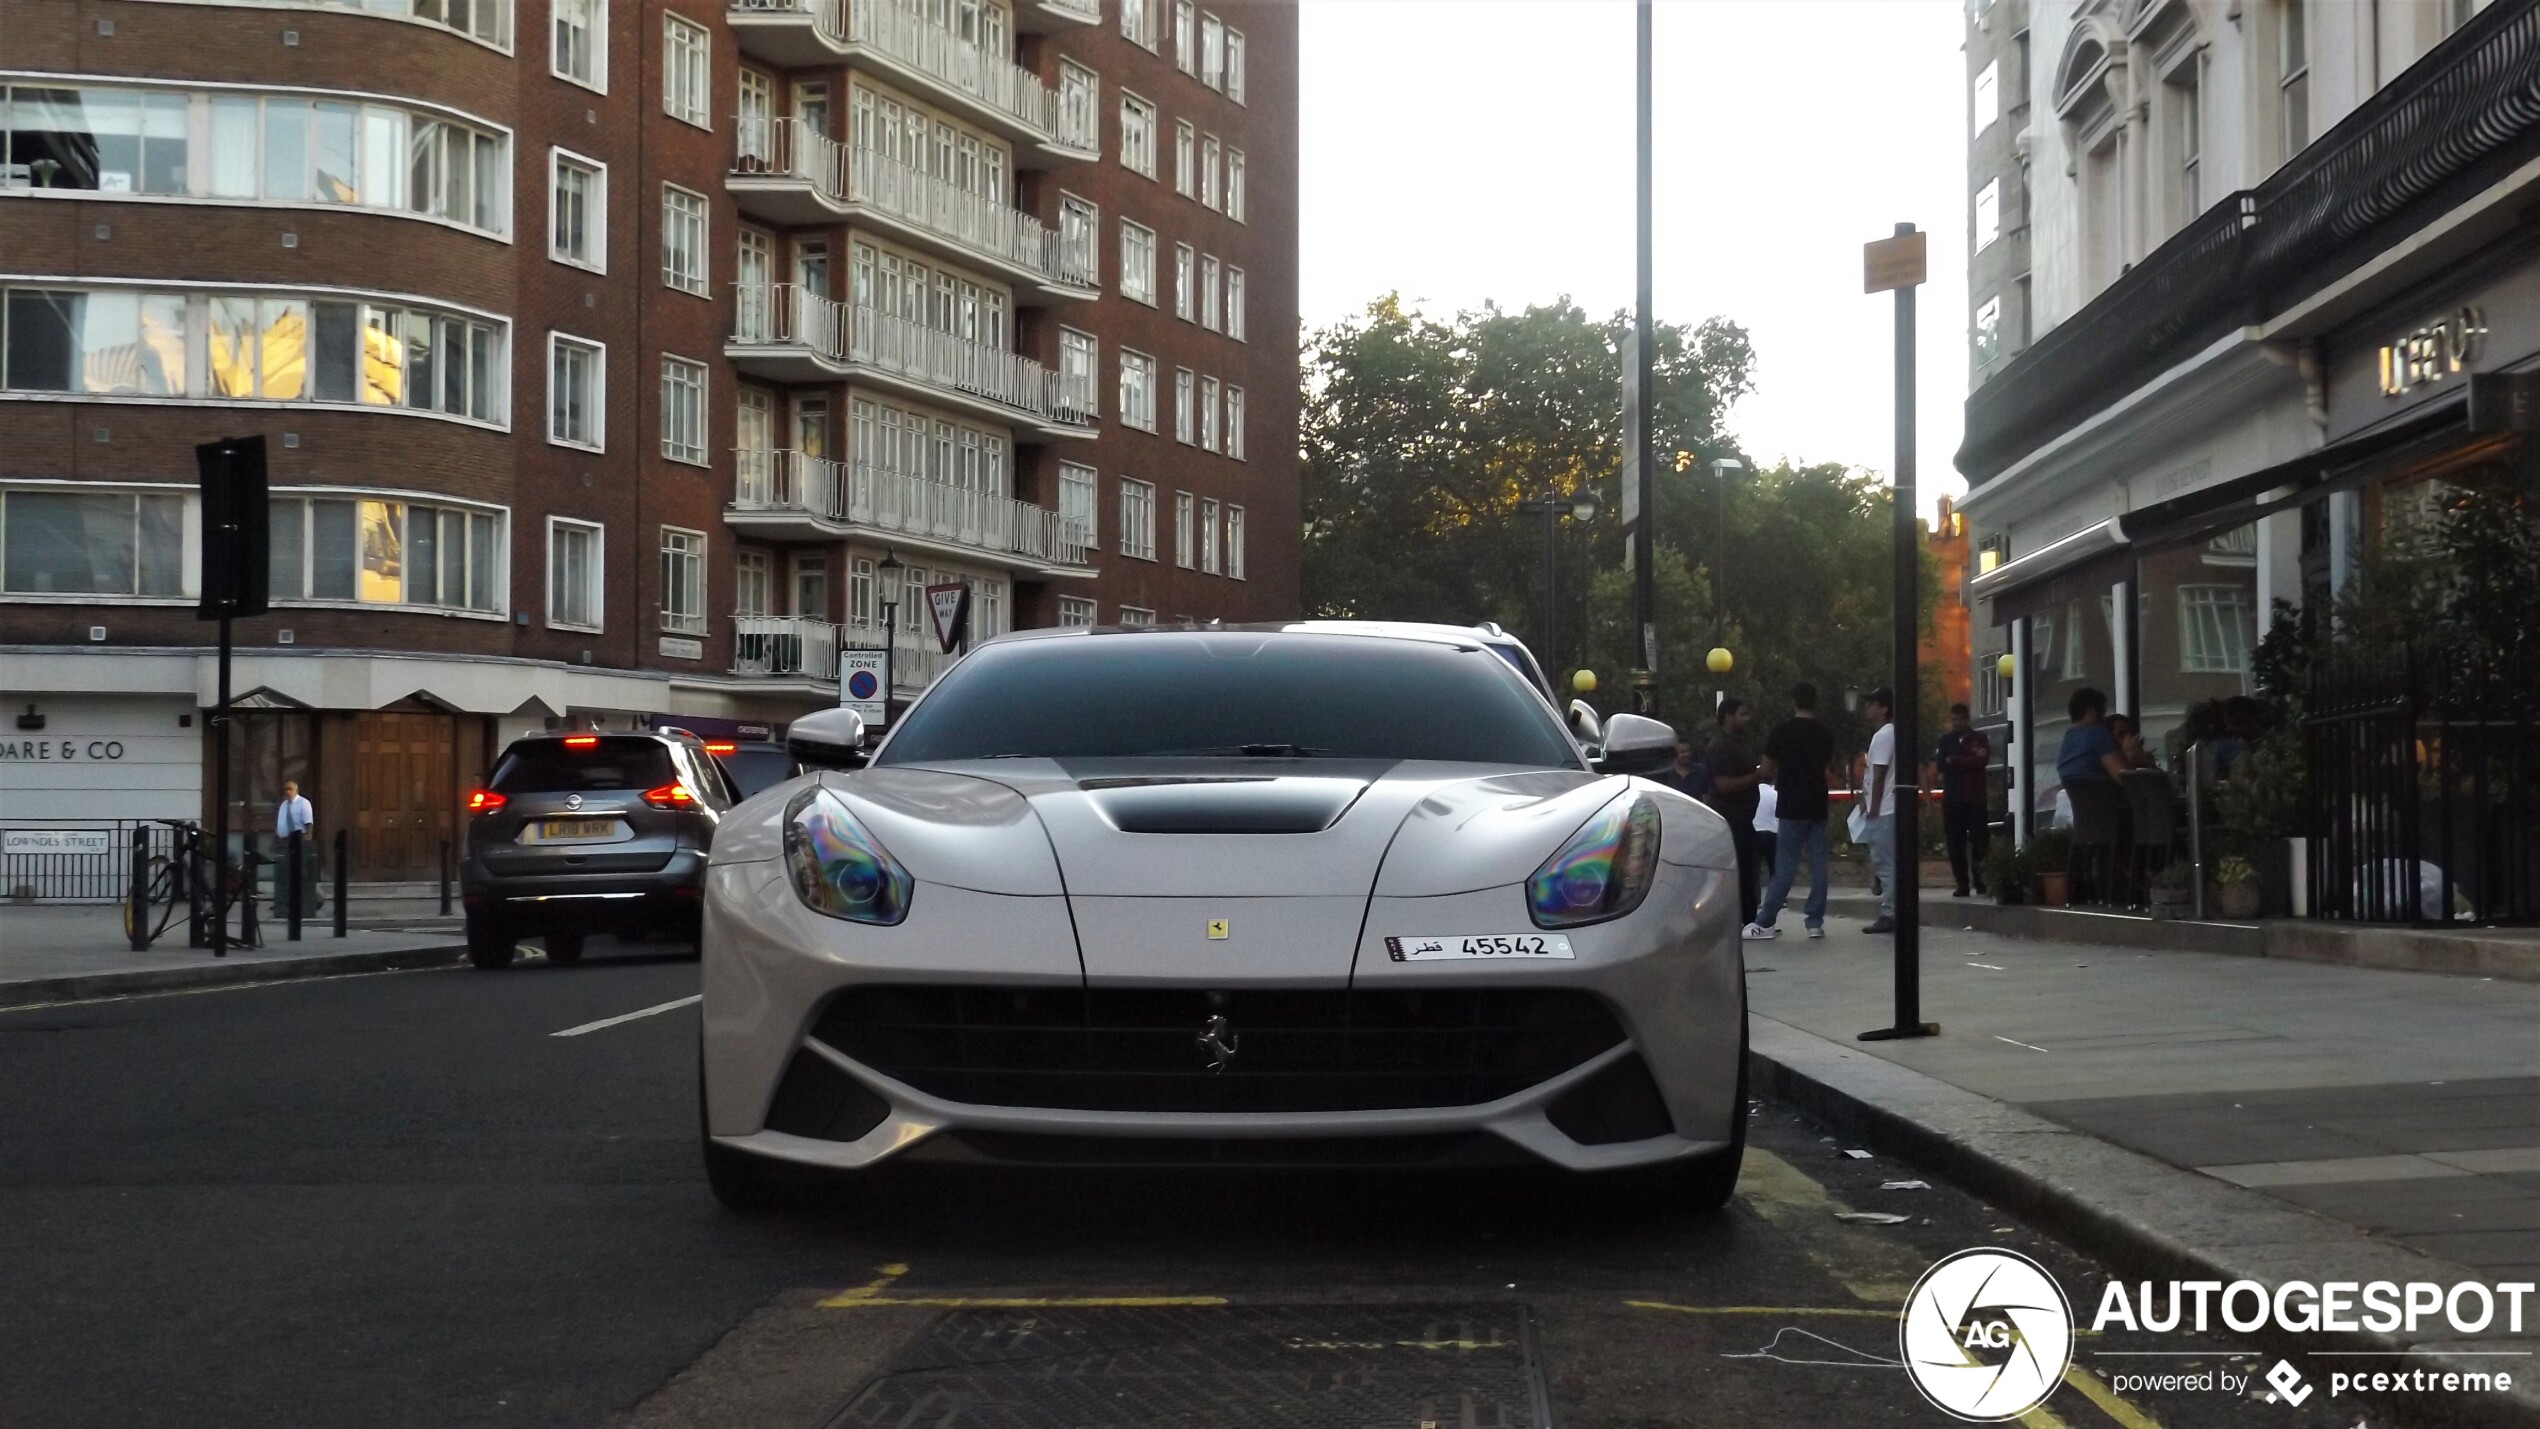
<point>548,766</point>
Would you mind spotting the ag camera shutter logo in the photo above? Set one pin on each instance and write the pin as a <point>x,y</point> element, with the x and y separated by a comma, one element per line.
<point>1987,1335</point>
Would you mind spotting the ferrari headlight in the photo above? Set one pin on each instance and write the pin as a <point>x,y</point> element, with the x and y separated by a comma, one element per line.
<point>1603,872</point>
<point>836,866</point>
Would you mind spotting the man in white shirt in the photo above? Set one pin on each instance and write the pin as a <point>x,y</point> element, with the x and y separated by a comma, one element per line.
<point>293,815</point>
<point>1879,827</point>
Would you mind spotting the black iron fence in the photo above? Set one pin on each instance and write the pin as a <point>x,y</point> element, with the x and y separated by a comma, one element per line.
<point>60,861</point>
<point>2425,790</point>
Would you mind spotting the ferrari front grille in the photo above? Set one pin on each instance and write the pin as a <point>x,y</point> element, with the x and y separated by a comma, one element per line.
<point>1245,1050</point>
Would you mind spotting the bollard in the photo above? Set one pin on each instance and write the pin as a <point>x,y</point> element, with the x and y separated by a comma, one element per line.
<point>340,862</point>
<point>445,878</point>
<point>139,896</point>
<point>291,919</point>
<point>250,932</point>
<point>187,849</point>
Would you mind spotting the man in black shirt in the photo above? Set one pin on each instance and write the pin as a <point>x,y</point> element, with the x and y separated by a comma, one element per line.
<point>1796,755</point>
<point>1962,755</point>
<point>1732,793</point>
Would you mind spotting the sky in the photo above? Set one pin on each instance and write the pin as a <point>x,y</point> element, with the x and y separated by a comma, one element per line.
<point>1468,150</point>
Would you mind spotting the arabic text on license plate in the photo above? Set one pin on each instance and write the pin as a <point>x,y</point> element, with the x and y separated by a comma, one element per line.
<point>1479,946</point>
<point>577,828</point>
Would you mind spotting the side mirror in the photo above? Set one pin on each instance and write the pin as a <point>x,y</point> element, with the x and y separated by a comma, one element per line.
<point>827,739</point>
<point>1636,745</point>
<point>1584,723</point>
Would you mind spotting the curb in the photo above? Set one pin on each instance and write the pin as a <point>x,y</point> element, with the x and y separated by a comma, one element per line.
<point>36,992</point>
<point>2146,1219</point>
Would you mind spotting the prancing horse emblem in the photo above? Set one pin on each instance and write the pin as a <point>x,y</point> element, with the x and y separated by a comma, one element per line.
<point>1218,1042</point>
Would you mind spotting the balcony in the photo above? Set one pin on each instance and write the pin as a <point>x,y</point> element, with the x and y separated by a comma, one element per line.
<point>915,657</point>
<point>785,647</point>
<point>898,41</point>
<point>788,173</point>
<point>790,496</point>
<point>1041,17</point>
<point>785,334</point>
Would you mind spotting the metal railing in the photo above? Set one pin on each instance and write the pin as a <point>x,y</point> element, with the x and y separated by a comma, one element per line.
<point>905,33</point>
<point>79,873</point>
<point>868,495</point>
<point>2452,123</point>
<point>915,658</point>
<point>786,315</point>
<point>784,645</point>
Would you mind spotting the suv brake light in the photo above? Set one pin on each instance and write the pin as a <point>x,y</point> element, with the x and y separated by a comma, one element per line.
<point>670,796</point>
<point>581,741</point>
<point>485,801</point>
<point>722,747</point>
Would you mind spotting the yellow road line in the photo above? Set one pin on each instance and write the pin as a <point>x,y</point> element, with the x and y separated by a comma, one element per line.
<point>1852,1312</point>
<point>870,1295</point>
<point>1871,1266</point>
<point>2097,1392</point>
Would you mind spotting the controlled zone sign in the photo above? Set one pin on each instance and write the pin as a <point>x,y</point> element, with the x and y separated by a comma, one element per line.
<point>860,684</point>
<point>949,606</point>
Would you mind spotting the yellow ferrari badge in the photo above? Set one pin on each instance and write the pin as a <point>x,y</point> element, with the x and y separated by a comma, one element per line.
<point>1217,927</point>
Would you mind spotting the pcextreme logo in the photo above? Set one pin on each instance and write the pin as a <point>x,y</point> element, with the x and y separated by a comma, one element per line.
<point>1986,1335</point>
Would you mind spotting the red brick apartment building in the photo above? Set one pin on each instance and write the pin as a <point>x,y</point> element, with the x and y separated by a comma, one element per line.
<point>618,361</point>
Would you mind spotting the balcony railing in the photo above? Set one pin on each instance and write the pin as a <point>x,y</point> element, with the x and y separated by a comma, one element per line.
<point>905,33</point>
<point>867,495</point>
<point>790,645</point>
<point>915,658</point>
<point>2450,125</point>
<point>784,315</point>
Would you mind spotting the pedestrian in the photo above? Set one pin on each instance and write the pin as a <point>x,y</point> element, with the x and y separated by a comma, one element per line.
<point>294,815</point>
<point>2089,763</point>
<point>1686,775</point>
<point>1879,820</point>
<point>1965,815</point>
<point>1733,795</point>
<point>1797,755</point>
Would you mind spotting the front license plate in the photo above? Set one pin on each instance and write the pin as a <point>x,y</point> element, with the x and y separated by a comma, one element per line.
<point>1515,947</point>
<point>558,830</point>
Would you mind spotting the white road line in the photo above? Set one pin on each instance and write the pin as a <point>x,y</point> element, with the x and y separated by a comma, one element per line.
<point>1989,966</point>
<point>1997,1037</point>
<point>629,1016</point>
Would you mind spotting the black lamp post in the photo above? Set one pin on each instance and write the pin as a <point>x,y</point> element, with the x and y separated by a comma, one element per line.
<point>1554,508</point>
<point>889,572</point>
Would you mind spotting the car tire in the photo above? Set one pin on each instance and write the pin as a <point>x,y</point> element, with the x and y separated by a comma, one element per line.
<point>489,943</point>
<point>747,1185</point>
<point>564,949</point>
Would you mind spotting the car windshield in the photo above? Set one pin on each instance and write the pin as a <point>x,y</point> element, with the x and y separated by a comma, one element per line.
<point>1232,694</point>
<point>752,770</point>
<point>552,766</point>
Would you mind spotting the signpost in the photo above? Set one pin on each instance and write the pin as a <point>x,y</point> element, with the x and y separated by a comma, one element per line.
<point>860,676</point>
<point>1897,265</point>
<point>236,576</point>
<point>949,607</point>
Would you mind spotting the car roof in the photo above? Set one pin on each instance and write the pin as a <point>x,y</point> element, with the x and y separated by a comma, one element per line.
<point>1380,629</point>
<point>671,735</point>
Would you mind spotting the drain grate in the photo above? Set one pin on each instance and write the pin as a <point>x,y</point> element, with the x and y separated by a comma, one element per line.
<point>1451,1366</point>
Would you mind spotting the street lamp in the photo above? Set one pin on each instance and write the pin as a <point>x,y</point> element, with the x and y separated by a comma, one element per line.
<point>1554,508</point>
<point>1720,469</point>
<point>889,573</point>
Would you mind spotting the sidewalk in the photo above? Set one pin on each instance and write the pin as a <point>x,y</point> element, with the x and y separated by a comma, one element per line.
<point>50,953</point>
<point>2405,1105</point>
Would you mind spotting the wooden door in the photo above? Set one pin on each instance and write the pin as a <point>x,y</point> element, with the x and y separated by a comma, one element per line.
<point>404,794</point>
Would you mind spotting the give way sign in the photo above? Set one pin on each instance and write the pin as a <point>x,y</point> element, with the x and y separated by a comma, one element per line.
<point>950,607</point>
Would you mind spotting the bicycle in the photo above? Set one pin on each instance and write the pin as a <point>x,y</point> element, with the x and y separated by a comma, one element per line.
<point>179,880</point>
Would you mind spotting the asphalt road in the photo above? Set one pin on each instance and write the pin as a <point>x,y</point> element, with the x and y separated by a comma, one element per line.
<point>402,1199</point>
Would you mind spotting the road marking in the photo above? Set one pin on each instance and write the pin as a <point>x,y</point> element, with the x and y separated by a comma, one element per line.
<point>2018,1043</point>
<point>1846,1311</point>
<point>630,1016</point>
<point>1873,1267</point>
<point>1989,967</point>
<point>870,1295</point>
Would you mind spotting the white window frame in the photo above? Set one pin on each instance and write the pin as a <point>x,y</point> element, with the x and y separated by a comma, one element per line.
<point>1185,516</point>
<point>1234,64</point>
<point>1137,262</point>
<point>596,400</point>
<point>1985,334</point>
<point>1139,122</point>
<point>1185,282</point>
<point>1138,384</point>
<point>1137,22</point>
<point>595,206</point>
<point>1186,36</point>
<point>1235,303</point>
<point>1211,156</point>
<point>1073,344</point>
<point>1185,406</point>
<point>753,582</point>
<point>1076,476</point>
<point>1234,543</point>
<point>1076,612</point>
<point>1137,518</point>
<point>677,78</point>
<point>1210,277</point>
<point>683,433</point>
<point>2224,612</point>
<point>598,79</point>
<point>1231,437</point>
<point>1081,216</point>
<point>1185,158</point>
<point>1212,51</point>
<point>683,622</point>
<point>699,283</point>
<point>598,585</point>
<point>1988,214</point>
<point>1986,101</point>
<point>1234,183</point>
<point>1208,520</point>
<point>1209,390</point>
<point>1137,617</point>
<point>1075,79</point>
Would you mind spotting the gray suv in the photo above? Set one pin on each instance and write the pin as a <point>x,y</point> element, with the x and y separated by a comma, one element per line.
<point>589,833</point>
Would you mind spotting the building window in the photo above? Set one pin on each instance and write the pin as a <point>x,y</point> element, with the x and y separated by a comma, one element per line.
<point>683,240</point>
<point>1137,262</point>
<point>1076,502</point>
<point>1137,518</point>
<point>1185,284</point>
<point>1235,65</point>
<point>1185,159</point>
<point>1988,214</point>
<point>1988,96</point>
<point>1075,612</point>
<point>1137,22</point>
<point>386,552</point>
<point>2190,109</point>
<point>1988,334</point>
<point>683,410</point>
<point>2293,75</point>
<point>575,391</point>
<point>1212,51</point>
<point>1137,135</point>
<point>1235,423</point>
<point>687,84</point>
<point>1184,518</point>
<point>1209,520</point>
<point>1186,36</point>
<point>1208,414</point>
<point>1235,184</point>
<point>1235,303</point>
<point>2215,628</point>
<point>580,32</point>
<point>1079,245</point>
<point>1079,120</point>
<point>1078,358</point>
<point>753,582</point>
<point>1137,390</point>
<point>1210,290</point>
<point>1185,404</point>
<point>1209,152</point>
<point>1235,542</point>
<point>683,581</point>
<point>1137,617</point>
<point>578,198</point>
<point>80,542</point>
<point>573,573</point>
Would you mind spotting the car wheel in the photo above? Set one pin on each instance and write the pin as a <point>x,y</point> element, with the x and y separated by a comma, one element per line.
<point>564,949</point>
<point>746,1185</point>
<point>489,943</point>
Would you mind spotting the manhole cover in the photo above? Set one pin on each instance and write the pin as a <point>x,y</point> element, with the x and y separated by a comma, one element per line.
<point>1226,1366</point>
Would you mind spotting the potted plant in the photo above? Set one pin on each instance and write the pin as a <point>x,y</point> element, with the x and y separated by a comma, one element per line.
<point>2236,888</point>
<point>2174,891</point>
<point>2049,856</point>
<point>2006,872</point>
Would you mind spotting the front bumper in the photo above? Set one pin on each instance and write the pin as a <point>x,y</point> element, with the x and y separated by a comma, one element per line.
<point>672,893</point>
<point>1670,974</point>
